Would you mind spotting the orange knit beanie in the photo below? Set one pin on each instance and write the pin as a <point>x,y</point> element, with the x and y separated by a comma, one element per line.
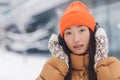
<point>76,14</point>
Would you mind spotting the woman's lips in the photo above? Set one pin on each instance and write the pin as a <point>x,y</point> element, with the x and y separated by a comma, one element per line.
<point>78,46</point>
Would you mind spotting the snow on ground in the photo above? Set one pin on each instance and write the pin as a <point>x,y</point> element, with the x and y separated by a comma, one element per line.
<point>14,66</point>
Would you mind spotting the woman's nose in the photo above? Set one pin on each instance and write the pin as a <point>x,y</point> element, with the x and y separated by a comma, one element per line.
<point>76,39</point>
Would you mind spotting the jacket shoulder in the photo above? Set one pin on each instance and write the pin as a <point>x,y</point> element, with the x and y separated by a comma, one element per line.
<point>54,69</point>
<point>108,69</point>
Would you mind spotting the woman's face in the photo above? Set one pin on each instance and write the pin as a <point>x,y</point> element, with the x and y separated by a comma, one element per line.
<point>77,39</point>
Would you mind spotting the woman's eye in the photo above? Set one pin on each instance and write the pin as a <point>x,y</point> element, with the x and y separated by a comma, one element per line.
<point>82,30</point>
<point>68,33</point>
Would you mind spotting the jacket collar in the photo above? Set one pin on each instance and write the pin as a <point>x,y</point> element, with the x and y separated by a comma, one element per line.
<point>79,62</point>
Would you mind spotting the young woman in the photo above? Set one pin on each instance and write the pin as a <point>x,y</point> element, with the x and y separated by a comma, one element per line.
<point>80,51</point>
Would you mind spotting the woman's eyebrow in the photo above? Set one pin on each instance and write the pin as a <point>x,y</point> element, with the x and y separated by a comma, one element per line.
<point>79,26</point>
<point>68,28</point>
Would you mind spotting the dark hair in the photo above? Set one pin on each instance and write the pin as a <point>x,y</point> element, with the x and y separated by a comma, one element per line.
<point>91,49</point>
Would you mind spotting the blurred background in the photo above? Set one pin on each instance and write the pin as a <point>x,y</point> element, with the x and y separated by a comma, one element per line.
<point>26,25</point>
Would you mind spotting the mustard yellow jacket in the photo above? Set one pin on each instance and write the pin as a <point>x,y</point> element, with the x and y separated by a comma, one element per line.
<point>56,69</point>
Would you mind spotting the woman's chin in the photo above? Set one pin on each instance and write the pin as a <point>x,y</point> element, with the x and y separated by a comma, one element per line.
<point>78,52</point>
